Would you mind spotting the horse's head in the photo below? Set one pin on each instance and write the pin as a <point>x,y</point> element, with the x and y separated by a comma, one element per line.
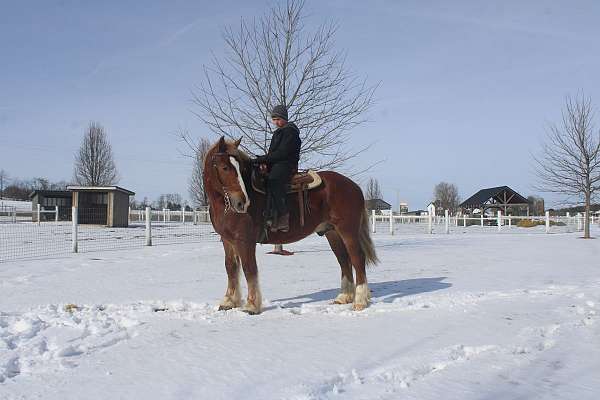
<point>223,163</point>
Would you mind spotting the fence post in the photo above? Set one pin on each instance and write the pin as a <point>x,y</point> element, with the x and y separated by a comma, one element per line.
<point>447,221</point>
<point>182,215</point>
<point>499,220</point>
<point>510,221</point>
<point>481,219</point>
<point>465,221</point>
<point>429,223</point>
<point>38,214</point>
<point>547,221</point>
<point>74,229</point>
<point>373,219</point>
<point>15,215</point>
<point>55,213</point>
<point>391,222</point>
<point>148,227</point>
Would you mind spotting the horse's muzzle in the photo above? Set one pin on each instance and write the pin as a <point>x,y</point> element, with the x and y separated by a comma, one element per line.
<point>239,203</point>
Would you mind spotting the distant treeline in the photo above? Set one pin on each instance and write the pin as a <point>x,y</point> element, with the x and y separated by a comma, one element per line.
<point>20,189</point>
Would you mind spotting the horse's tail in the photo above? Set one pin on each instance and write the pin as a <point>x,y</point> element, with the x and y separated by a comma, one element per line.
<point>364,238</point>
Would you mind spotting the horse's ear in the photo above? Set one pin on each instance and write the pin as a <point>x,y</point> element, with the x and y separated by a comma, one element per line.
<point>221,146</point>
<point>237,142</point>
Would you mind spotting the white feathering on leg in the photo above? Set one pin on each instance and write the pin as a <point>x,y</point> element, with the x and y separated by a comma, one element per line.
<point>346,294</point>
<point>361,296</point>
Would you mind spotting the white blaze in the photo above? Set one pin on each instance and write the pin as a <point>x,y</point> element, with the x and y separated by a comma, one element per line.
<point>236,164</point>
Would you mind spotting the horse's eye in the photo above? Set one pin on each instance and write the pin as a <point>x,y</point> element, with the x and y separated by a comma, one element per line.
<point>225,168</point>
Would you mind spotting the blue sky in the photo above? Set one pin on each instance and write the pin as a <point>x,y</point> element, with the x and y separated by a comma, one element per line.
<point>467,88</point>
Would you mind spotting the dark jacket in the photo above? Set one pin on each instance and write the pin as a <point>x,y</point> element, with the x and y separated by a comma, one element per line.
<point>284,147</point>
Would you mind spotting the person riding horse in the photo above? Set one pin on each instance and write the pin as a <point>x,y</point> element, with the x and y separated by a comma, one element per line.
<point>282,163</point>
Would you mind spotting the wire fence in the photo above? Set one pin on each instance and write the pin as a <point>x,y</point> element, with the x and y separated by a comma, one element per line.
<point>89,231</point>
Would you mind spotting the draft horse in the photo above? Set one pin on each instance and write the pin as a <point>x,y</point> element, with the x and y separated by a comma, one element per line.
<point>236,212</point>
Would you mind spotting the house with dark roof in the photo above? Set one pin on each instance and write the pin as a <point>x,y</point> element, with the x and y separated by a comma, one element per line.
<point>377,205</point>
<point>496,198</point>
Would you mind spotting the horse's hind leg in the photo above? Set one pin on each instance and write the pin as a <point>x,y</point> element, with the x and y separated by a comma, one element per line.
<point>350,236</point>
<point>233,295</point>
<point>346,294</point>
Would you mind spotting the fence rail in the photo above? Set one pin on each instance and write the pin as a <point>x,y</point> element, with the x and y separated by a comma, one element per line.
<point>392,223</point>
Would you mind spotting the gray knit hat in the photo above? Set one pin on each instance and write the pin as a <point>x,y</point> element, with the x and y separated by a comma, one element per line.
<point>279,111</point>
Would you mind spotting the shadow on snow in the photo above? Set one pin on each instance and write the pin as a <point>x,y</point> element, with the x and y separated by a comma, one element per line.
<point>385,292</point>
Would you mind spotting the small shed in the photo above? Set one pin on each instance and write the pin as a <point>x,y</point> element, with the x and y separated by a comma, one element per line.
<point>101,205</point>
<point>377,204</point>
<point>50,200</point>
<point>500,198</point>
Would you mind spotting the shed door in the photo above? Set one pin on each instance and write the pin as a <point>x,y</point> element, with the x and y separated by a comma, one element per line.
<point>93,208</point>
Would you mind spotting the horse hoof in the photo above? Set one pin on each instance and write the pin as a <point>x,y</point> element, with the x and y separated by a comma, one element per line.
<point>251,312</point>
<point>359,307</point>
<point>343,298</point>
<point>224,308</point>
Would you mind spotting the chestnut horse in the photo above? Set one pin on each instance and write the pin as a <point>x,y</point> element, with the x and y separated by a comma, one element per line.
<point>236,212</point>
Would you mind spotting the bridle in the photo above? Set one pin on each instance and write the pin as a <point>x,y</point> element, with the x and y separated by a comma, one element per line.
<point>225,192</point>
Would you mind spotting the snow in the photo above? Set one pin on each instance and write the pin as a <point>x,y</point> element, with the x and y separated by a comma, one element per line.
<point>463,316</point>
<point>18,204</point>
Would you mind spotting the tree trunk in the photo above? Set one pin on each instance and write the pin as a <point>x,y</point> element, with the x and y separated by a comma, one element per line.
<point>586,222</point>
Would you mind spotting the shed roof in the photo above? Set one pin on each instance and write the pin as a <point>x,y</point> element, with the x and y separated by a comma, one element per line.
<point>99,189</point>
<point>493,194</point>
<point>55,193</point>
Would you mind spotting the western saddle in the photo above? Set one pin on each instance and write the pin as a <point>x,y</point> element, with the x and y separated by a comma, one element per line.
<point>300,183</point>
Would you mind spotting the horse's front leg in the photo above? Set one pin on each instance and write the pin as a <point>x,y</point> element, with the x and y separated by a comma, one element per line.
<point>247,253</point>
<point>233,294</point>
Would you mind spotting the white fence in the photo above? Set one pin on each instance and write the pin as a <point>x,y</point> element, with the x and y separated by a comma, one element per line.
<point>47,238</point>
<point>432,224</point>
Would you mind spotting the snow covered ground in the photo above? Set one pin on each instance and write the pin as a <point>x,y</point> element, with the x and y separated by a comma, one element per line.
<point>463,316</point>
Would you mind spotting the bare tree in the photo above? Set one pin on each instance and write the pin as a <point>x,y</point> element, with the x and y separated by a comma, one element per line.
<point>372,190</point>
<point>275,60</point>
<point>445,196</point>
<point>3,181</point>
<point>196,183</point>
<point>94,163</point>
<point>570,160</point>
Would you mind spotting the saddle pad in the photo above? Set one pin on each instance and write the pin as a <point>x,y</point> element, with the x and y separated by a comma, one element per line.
<point>305,180</point>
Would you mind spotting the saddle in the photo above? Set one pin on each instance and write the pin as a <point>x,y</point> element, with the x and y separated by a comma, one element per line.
<point>301,183</point>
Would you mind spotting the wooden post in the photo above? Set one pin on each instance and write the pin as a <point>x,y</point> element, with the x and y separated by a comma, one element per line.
<point>481,219</point>
<point>499,220</point>
<point>391,222</point>
<point>510,221</point>
<point>129,215</point>
<point>373,219</point>
<point>447,221</point>
<point>429,223</point>
<point>74,229</point>
<point>465,221</point>
<point>183,215</point>
<point>547,221</point>
<point>55,213</point>
<point>148,226</point>
<point>38,213</point>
